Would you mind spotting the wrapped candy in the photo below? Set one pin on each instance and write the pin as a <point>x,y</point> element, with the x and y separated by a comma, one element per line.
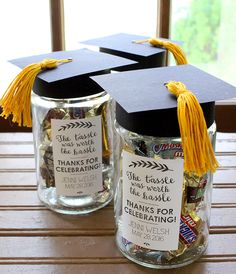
<point>71,126</point>
<point>165,158</point>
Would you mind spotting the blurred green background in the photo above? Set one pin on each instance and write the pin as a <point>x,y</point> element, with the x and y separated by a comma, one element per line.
<point>208,32</point>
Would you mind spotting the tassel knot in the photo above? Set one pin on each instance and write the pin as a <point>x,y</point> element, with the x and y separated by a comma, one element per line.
<point>176,50</point>
<point>48,64</point>
<point>199,156</point>
<point>156,42</point>
<point>176,88</point>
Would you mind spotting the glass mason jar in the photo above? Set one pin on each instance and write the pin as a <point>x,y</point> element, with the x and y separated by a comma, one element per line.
<point>146,227</point>
<point>74,163</point>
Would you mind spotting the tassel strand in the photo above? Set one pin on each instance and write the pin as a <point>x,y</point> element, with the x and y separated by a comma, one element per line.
<point>16,99</point>
<point>199,155</point>
<point>176,50</point>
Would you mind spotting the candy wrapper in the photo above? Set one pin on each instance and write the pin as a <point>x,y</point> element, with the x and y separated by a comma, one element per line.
<point>193,228</point>
<point>47,167</point>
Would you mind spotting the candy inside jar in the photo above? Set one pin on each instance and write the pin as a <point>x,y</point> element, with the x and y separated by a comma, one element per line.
<point>71,125</point>
<point>195,207</point>
<point>166,134</point>
<point>83,191</point>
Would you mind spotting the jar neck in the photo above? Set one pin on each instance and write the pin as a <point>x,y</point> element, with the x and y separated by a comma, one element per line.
<point>161,122</point>
<point>123,131</point>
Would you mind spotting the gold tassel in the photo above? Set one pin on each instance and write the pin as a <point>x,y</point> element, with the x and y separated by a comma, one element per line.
<point>176,50</point>
<point>199,155</point>
<point>16,99</point>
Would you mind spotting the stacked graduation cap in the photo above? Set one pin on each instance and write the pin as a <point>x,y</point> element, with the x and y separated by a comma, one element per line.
<point>83,152</point>
<point>67,80</point>
<point>145,106</point>
<point>122,45</point>
<point>72,79</point>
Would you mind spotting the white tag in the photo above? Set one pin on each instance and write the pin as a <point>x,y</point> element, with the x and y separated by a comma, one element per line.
<point>77,156</point>
<point>152,194</point>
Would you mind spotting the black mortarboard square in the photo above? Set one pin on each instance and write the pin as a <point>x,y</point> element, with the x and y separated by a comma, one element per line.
<point>145,105</point>
<point>121,45</point>
<point>70,80</point>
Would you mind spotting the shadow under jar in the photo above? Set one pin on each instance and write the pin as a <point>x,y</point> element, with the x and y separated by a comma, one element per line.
<point>74,163</point>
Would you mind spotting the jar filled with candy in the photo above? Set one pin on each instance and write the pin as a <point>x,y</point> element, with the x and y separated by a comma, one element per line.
<point>165,162</point>
<point>71,117</point>
<point>144,215</point>
<point>73,152</point>
<point>71,122</point>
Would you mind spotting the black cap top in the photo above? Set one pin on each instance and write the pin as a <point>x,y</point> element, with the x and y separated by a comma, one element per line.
<point>121,44</point>
<point>144,104</point>
<point>71,80</point>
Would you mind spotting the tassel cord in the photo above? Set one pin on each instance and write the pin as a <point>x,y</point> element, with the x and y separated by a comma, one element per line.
<point>176,50</point>
<point>16,99</point>
<point>199,155</point>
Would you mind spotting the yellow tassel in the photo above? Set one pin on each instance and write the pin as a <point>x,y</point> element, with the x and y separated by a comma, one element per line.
<point>176,50</point>
<point>199,155</point>
<point>16,99</point>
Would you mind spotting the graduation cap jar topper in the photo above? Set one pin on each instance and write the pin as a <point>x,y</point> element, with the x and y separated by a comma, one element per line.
<point>147,52</point>
<point>165,118</point>
<point>71,126</point>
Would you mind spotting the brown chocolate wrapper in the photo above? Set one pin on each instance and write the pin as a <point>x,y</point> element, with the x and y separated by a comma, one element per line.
<point>55,113</point>
<point>176,253</point>
<point>195,187</point>
<point>106,149</point>
<point>47,168</point>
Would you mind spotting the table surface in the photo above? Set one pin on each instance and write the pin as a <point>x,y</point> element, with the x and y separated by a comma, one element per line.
<point>35,240</point>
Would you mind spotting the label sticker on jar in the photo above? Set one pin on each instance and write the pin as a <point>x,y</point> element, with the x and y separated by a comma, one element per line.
<point>77,156</point>
<point>152,195</point>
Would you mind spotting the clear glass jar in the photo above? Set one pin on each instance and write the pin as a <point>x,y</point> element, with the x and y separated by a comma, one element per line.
<point>195,203</point>
<point>74,159</point>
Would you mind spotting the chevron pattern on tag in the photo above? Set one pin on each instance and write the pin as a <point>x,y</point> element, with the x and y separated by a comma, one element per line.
<point>150,164</point>
<point>80,124</point>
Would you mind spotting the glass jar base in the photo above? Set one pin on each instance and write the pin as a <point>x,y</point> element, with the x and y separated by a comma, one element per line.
<point>78,205</point>
<point>153,259</point>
